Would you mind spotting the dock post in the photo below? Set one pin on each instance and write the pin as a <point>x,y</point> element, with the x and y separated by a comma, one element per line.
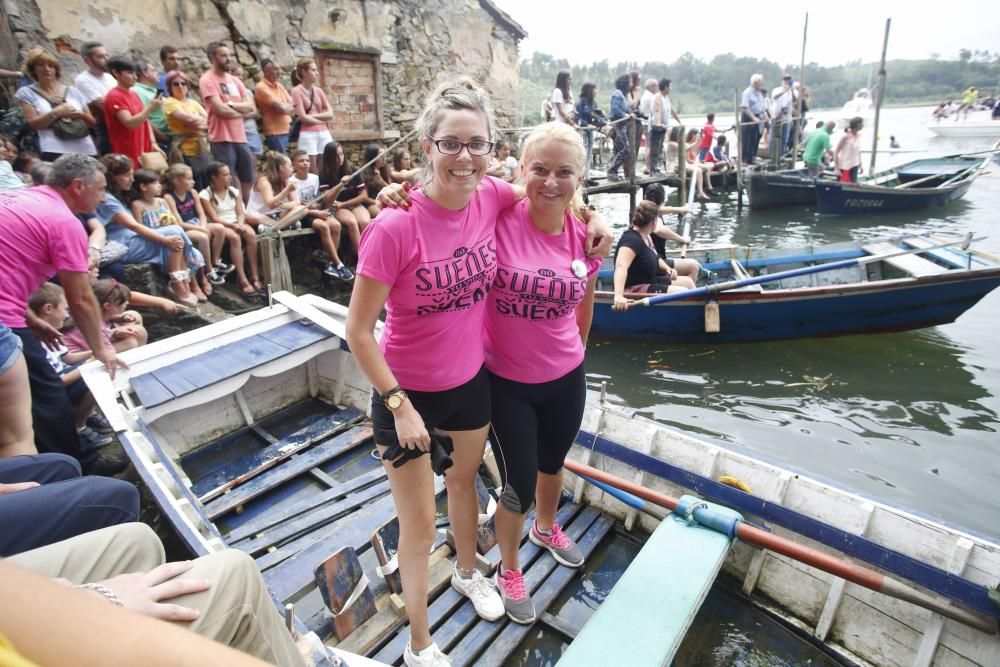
<point>274,262</point>
<point>739,154</point>
<point>681,164</point>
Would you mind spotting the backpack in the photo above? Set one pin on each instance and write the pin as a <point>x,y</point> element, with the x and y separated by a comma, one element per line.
<point>13,124</point>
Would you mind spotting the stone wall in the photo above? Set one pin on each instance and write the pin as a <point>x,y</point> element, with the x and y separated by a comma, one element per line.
<point>414,44</point>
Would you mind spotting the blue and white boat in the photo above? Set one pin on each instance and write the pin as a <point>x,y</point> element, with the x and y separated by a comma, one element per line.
<point>899,293</point>
<point>252,433</point>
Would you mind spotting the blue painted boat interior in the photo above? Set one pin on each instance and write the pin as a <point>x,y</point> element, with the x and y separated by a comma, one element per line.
<point>202,370</point>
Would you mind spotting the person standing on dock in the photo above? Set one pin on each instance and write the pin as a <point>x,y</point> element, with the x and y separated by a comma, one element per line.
<point>659,124</point>
<point>817,151</point>
<point>847,155</point>
<point>586,106</point>
<point>753,107</point>
<point>620,109</point>
<point>537,323</point>
<point>562,99</point>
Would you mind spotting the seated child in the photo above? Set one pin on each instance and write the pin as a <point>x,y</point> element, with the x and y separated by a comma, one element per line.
<point>320,218</point>
<point>122,329</point>
<point>49,305</point>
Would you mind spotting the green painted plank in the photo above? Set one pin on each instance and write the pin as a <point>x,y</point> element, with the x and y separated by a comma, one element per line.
<point>656,599</point>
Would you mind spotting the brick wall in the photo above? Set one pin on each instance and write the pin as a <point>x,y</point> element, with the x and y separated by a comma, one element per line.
<point>352,82</point>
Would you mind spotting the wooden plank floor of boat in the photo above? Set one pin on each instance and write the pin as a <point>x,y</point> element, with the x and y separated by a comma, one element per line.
<point>456,627</point>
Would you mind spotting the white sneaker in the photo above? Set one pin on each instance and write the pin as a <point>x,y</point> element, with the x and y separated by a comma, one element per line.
<point>431,656</point>
<point>482,592</point>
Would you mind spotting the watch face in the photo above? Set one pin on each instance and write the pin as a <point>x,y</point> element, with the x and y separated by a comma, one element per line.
<point>394,401</point>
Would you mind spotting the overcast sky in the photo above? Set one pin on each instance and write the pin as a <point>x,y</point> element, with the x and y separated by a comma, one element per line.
<point>839,30</point>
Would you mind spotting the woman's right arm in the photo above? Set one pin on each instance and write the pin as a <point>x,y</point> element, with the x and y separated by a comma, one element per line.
<point>622,263</point>
<point>367,302</point>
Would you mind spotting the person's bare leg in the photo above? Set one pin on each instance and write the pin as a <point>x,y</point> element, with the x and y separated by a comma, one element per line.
<point>363,217</point>
<point>463,503</point>
<point>218,237</point>
<point>16,434</point>
<point>250,243</point>
<point>350,223</point>
<point>329,236</point>
<point>412,487</point>
<point>83,410</point>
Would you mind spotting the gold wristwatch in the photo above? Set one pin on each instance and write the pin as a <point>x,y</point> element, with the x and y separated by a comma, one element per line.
<point>394,398</point>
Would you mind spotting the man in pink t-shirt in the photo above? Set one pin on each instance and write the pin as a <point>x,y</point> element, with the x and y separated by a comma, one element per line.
<point>40,237</point>
<point>227,103</point>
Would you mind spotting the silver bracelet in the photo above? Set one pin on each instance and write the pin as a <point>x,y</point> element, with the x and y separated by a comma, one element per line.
<point>103,590</point>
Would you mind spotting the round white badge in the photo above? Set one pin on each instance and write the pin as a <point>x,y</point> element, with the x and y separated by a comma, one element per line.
<point>579,268</point>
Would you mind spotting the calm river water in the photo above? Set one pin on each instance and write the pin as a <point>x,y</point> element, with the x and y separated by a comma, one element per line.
<point>907,418</point>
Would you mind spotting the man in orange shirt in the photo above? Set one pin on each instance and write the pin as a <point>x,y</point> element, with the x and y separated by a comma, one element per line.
<point>275,105</point>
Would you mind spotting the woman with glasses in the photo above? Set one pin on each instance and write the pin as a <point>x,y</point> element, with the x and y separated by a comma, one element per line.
<point>188,123</point>
<point>431,270</point>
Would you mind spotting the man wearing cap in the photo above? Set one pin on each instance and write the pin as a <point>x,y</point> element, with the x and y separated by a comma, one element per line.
<point>275,104</point>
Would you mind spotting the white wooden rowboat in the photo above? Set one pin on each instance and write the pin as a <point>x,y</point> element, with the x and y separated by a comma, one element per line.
<point>187,406</point>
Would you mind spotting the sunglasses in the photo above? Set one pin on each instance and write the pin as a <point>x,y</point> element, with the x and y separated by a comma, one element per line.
<point>178,83</point>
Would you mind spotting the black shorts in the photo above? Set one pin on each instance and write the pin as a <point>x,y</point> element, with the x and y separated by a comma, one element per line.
<point>463,408</point>
<point>237,157</point>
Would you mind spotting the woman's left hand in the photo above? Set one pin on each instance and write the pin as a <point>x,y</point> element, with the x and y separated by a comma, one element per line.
<point>395,195</point>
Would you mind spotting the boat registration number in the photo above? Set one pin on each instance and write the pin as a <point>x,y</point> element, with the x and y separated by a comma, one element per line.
<point>864,203</point>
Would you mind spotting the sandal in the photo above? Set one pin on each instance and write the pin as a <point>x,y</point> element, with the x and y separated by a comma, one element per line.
<point>247,289</point>
<point>181,278</point>
<point>206,287</point>
<point>258,285</point>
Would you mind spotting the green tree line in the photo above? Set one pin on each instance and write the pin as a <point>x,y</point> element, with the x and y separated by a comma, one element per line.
<point>701,86</point>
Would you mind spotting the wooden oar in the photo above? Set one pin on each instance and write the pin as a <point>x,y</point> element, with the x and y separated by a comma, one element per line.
<point>630,493</point>
<point>712,290</point>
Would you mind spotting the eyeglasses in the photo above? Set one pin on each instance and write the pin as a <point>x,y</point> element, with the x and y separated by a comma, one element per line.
<point>115,287</point>
<point>454,146</point>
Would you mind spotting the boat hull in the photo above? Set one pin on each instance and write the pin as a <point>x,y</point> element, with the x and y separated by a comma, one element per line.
<point>990,129</point>
<point>894,305</point>
<point>834,198</point>
<point>860,625</point>
<point>776,189</point>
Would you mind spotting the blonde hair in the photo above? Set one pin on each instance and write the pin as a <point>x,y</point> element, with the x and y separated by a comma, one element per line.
<point>48,294</point>
<point>458,95</point>
<point>40,55</point>
<point>269,167</point>
<point>560,133</point>
<point>175,171</point>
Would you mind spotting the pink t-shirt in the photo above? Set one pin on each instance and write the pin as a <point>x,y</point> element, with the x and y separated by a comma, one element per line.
<point>39,236</point>
<point>75,341</point>
<point>439,264</point>
<point>531,330</point>
<point>228,89</point>
<point>300,99</point>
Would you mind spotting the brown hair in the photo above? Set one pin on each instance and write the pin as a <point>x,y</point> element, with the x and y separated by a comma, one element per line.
<point>300,67</point>
<point>645,213</point>
<point>110,291</point>
<point>40,55</point>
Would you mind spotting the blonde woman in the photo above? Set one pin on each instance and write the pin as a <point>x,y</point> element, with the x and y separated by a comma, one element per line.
<point>537,321</point>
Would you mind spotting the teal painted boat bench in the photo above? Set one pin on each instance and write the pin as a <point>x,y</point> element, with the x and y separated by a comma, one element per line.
<point>645,617</point>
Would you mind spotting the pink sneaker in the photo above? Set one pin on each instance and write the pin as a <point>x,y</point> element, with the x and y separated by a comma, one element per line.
<point>562,548</point>
<point>516,601</point>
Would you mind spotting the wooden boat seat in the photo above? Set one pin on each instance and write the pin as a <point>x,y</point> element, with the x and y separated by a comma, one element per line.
<point>953,257</point>
<point>189,375</point>
<point>656,599</point>
<point>912,264</point>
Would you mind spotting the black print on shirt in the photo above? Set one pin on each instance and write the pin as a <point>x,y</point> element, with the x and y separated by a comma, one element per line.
<point>536,295</point>
<point>457,282</point>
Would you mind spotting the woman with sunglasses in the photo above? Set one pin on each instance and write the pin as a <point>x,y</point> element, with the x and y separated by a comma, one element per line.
<point>188,123</point>
<point>431,269</point>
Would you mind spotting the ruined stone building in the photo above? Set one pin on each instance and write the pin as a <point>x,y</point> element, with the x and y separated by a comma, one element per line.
<point>377,58</point>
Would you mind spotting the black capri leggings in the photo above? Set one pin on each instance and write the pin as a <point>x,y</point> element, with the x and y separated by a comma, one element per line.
<point>533,427</point>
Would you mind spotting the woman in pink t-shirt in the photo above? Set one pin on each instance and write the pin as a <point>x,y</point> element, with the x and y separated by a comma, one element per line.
<point>537,321</point>
<point>431,269</point>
